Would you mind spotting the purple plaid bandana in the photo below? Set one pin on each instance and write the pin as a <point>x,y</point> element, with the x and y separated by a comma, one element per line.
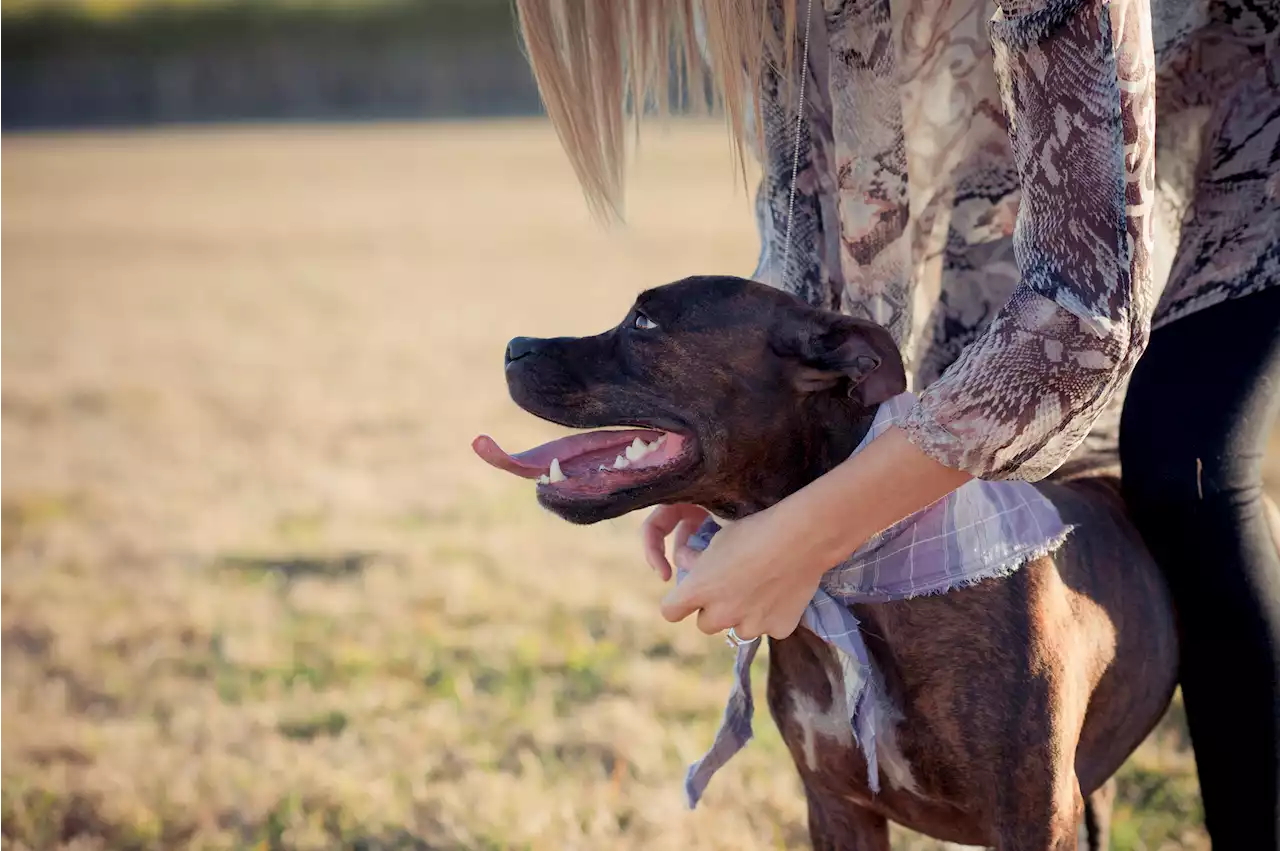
<point>983,530</point>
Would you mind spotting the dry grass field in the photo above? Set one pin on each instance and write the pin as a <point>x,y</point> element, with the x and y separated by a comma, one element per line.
<point>257,592</point>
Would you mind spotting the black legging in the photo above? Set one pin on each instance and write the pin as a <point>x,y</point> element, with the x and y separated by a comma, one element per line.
<point>1193,434</point>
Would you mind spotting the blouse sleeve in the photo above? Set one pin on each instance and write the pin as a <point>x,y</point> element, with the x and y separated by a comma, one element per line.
<point>1078,84</point>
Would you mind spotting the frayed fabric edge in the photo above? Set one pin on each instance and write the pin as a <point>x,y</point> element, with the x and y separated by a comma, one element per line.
<point>999,570</point>
<point>1008,568</point>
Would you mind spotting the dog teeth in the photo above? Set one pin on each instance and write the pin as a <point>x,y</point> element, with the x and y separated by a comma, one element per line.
<point>556,474</point>
<point>543,480</point>
<point>622,463</point>
<point>638,448</point>
<point>604,468</point>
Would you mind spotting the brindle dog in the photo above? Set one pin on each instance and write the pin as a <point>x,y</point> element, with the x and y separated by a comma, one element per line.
<point>1020,697</point>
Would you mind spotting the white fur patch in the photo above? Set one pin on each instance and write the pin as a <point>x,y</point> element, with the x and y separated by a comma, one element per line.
<point>834,724</point>
<point>831,724</point>
<point>893,764</point>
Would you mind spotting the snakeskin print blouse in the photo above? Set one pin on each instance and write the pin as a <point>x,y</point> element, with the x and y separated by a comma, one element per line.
<point>992,184</point>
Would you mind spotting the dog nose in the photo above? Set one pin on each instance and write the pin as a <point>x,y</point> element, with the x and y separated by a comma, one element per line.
<point>521,346</point>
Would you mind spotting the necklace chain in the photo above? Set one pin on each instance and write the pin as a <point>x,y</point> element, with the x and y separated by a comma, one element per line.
<point>795,156</point>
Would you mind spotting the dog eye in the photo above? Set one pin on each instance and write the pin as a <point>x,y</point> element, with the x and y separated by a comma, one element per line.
<point>644,323</point>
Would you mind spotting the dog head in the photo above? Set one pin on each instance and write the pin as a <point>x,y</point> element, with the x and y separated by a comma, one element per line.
<point>729,394</point>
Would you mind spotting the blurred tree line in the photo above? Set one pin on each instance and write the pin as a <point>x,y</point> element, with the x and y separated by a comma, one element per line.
<point>125,62</point>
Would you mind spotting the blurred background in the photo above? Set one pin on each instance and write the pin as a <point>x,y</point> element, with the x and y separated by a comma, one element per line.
<point>261,259</point>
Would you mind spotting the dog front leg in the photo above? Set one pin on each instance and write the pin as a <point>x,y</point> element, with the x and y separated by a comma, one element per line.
<point>1038,801</point>
<point>1046,818</point>
<point>842,826</point>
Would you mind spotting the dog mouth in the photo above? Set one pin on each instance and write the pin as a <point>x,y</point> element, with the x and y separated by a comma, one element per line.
<point>594,463</point>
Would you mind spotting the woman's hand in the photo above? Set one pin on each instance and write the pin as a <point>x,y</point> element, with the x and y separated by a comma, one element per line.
<point>749,578</point>
<point>760,572</point>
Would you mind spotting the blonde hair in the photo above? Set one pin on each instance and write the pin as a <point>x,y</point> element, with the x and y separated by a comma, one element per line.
<point>601,64</point>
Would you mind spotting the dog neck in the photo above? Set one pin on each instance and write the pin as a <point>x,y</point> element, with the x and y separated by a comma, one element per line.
<point>835,428</point>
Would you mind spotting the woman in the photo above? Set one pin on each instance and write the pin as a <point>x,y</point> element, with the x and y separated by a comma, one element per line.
<point>988,192</point>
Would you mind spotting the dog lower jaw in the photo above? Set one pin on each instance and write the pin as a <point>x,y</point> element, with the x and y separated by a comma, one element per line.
<point>686,484</point>
<point>584,511</point>
<point>582,514</point>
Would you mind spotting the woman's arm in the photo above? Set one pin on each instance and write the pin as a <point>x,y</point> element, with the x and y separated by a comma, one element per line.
<point>1078,84</point>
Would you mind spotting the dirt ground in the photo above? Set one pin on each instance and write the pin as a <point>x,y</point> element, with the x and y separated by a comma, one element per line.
<point>257,590</point>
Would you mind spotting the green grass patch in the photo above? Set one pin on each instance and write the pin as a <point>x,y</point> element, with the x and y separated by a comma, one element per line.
<point>24,515</point>
<point>341,565</point>
<point>330,723</point>
<point>1154,808</point>
<point>40,816</point>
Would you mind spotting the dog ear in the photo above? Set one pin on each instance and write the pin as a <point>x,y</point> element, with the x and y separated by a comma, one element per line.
<point>831,349</point>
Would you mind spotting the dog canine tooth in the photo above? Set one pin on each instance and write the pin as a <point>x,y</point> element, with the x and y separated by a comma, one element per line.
<point>556,474</point>
<point>543,480</point>
<point>621,463</point>
<point>637,450</point>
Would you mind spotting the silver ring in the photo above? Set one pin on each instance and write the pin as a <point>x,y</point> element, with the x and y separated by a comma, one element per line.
<point>735,640</point>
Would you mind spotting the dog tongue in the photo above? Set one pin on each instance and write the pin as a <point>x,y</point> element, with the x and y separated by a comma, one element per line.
<point>537,461</point>
<point>494,455</point>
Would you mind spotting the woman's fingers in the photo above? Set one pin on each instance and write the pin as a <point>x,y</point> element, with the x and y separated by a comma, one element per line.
<point>660,523</point>
<point>714,620</point>
<point>683,600</point>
